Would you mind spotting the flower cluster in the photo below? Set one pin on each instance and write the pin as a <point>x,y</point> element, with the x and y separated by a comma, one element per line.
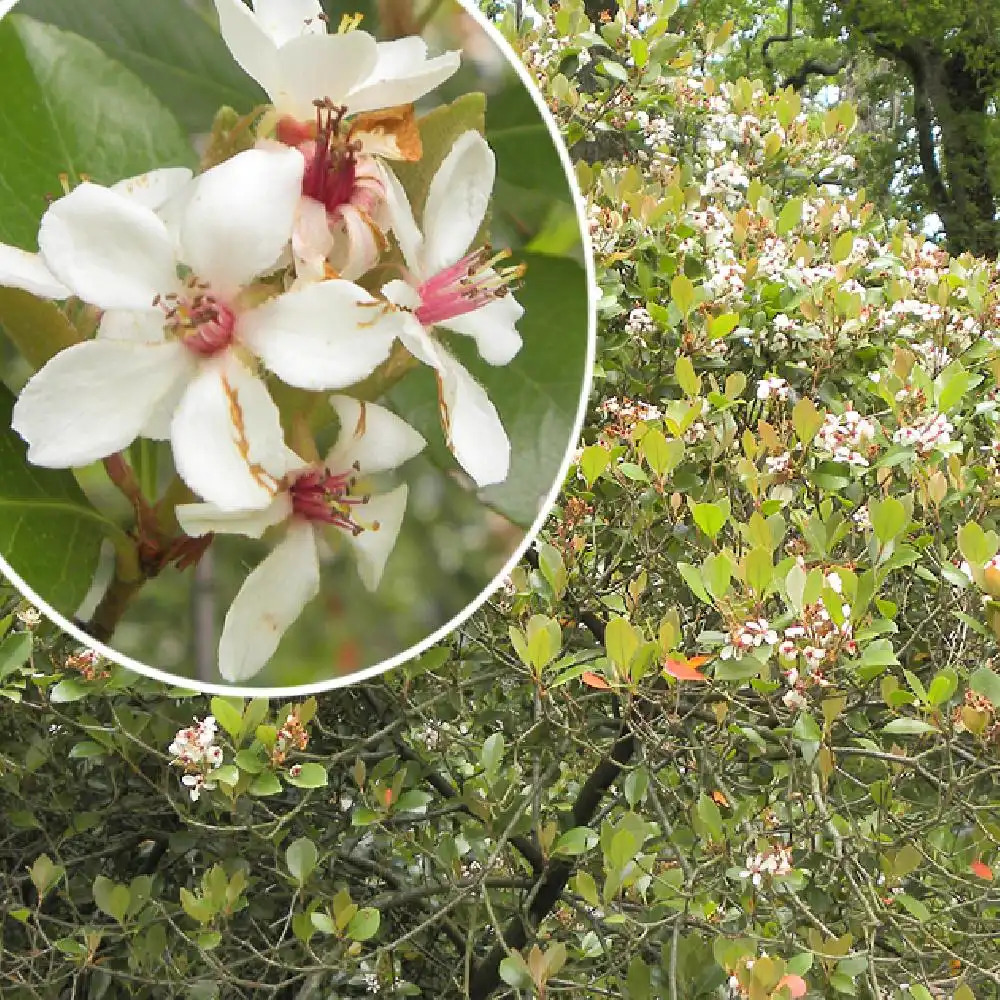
<point>775,861</point>
<point>843,436</point>
<point>745,636</point>
<point>195,750</point>
<point>298,260</point>
<point>929,431</point>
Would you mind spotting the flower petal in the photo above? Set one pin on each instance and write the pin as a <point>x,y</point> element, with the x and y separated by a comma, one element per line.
<point>472,425</point>
<point>284,20</point>
<point>198,519</point>
<point>492,328</point>
<point>402,75</point>
<point>154,188</point>
<point>384,516</point>
<point>311,240</point>
<point>327,335</point>
<point>251,45</point>
<point>138,326</point>
<point>94,398</point>
<point>20,269</point>
<point>457,201</point>
<point>227,439</point>
<point>271,598</point>
<point>111,251</point>
<point>314,67</point>
<point>358,244</point>
<point>372,436</point>
<point>401,221</point>
<point>240,216</point>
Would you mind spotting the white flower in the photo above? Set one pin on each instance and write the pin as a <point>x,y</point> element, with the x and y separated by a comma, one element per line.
<point>774,386</point>
<point>168,361</point>
<point>312,497</point>
<point>285,47</point>
<point>461,292</point>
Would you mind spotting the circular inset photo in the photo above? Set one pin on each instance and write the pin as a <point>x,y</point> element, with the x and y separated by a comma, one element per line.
<point>295,304</point>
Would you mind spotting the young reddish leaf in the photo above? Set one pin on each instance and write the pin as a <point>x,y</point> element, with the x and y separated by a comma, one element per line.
<point>594,680</point>
<point>686,670</point>
<point>982,870</point>
<point>795,985</point>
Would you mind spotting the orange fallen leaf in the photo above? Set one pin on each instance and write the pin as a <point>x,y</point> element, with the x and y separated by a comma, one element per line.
<point>594,680</point>
<point>982,870</point>
<point>795,985</point>
<point>686,670</point>
<point>719,798</point>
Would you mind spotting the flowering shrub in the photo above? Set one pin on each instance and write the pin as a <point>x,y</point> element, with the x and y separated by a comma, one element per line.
<point>331,239</point>
<point>731,729</point>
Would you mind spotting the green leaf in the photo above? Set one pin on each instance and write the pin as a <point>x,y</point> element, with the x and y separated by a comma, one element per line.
<point>38,329</point>
<point>593,462</point>
<point>514,971</point>
<point>710,816</point>
<point>790,216</point>
<point>520,140</point>
<point>806,729</point>
<point>111,898</point>
<point>264,784</point>
<point>70,689</point>
<point>537,394</point>
<point>577,841</point>
<point>879,654</point>
<point>173,49</point>
<point>913,906</point>
<point>710,517</point>
<point>45,873</point>
<point>49,532</point>
<point>118,131</point>
<point>942,687</point>
<point>364,924</point>
<point>693,578</point>
<point>309,775</point>
<point>683,295</point>
<point>806,419</point>
<point>986,682</point>
<point>228,713</point>
<point>908,727</point>
<point>842,246</point>
<point>759,569</point>
<point>301,857</point>
<point>621,641</point>
<point>976,545</point>
<point>553,568</point>
<point>888,518</point>
<point>14,652</point>
<point>492,755</point>
<point>717,571</point>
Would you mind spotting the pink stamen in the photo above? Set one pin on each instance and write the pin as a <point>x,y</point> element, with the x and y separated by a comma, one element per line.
<point>464,287</point>
<point>320,495</point>
<point>205,325</point>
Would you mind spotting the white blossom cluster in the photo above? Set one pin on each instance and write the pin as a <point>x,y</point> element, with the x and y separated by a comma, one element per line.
<point>775,861</point>
<point>927,432</point>
<point>773,388</point>
<point>205,284</point>
<point>746,636</point>
<point>195,750</point>
<point>842,436</point>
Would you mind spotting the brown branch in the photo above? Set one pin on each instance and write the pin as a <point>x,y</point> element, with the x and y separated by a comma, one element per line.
<point>486,977</point>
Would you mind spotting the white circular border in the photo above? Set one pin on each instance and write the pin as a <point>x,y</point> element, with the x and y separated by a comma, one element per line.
<point>413,651</point>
